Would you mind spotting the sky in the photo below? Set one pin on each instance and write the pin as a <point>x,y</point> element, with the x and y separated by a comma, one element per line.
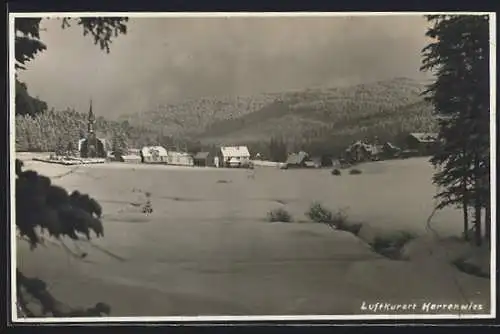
<point>168,60</point>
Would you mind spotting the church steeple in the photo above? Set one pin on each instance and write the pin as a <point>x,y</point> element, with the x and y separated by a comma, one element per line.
<point>91,119</point>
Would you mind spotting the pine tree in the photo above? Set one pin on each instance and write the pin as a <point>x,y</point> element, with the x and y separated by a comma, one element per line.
<point>60,147</point>
<point>459,57</point>
<point>119,144</point>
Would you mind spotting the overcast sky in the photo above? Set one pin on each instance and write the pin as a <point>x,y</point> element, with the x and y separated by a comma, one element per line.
<point>166,60</point>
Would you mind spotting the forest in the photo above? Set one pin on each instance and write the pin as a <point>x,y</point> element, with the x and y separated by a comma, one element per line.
<point>319,121</point>
<point>45,131</point>
<point>322,122</point>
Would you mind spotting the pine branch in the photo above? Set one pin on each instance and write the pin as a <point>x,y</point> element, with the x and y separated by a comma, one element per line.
<point>50,305</point>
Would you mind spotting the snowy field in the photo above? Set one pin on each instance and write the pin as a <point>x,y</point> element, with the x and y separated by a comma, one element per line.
<point>208,250</point>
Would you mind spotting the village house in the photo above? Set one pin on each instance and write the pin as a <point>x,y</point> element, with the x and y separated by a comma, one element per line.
<point>203,159</point>
<point>314,162</point>
<point>422,143</point>
<point>390,150</point>
<point>179,158</point>
<point>297,160</point>
<point>154,154</point>
<point>132,155</point>
<point>233,156</point>
<point>359,152</point>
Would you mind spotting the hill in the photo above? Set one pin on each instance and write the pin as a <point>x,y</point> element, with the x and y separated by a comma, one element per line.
<point>314,113</point>
<point>321,121</point>
<point>192,117</point>
<point>317,119</point>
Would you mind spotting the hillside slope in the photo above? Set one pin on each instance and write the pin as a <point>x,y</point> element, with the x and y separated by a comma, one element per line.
<point>322,121</point>
<point>395,106</point>
<point>312,117</point>
<point>191,117</point>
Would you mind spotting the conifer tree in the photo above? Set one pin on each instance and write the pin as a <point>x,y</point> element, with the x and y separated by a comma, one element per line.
<point>459,57</point>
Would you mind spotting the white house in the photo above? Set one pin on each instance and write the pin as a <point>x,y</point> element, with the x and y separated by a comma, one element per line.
<point>131,158</point>
<point>154,154</point>
<point>234,156</point>
<point>179,158</point>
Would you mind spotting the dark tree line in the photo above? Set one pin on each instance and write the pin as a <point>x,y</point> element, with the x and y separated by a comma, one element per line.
<point>278,150</point>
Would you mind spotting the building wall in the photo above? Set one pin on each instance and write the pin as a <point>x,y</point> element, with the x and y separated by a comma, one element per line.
<point>152,159</point>
<point>179,159</point>
<point>200,162</point>
<point>209,161</point>
<point>132,160</point>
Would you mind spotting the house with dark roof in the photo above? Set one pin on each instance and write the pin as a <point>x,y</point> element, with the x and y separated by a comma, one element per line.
<point>203,159</point>
<point>390,150</point>
<point>422,143</point>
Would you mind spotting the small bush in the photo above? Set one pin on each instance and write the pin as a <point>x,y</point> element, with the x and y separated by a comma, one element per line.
<point>279,215</point>
<point>319,214</point>
<point>336,172</point>
<point>391,245</point>
<point>354,171</point>
<point>339,219</point>
<point>341,222</point>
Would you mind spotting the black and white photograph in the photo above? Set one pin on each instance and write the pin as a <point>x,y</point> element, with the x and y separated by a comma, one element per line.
<point>252,166</point>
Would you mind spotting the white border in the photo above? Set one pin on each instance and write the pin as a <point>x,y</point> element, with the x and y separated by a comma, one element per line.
<point>492,314</point>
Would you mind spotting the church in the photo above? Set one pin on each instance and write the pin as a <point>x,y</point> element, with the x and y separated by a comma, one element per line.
<point>91,146</point>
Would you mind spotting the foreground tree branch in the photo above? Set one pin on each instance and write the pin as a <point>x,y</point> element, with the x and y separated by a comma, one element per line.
<point>39,204</point>
<point>46,207</point>
<point>37,289</point>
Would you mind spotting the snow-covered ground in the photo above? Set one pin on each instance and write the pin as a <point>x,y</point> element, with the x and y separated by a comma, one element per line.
<point>207,249</point>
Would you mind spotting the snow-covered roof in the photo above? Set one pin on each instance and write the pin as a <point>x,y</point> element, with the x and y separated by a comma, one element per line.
<point>425,137</point>
<point>391,145</point>
<point>235,151</point>
<point>131,157</point>
<point>149,150</point>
